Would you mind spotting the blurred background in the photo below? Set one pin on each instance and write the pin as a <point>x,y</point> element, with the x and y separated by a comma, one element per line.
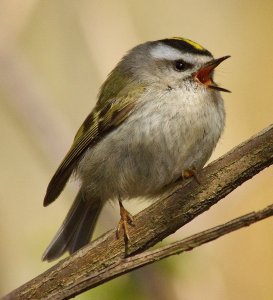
<point>54,55</point>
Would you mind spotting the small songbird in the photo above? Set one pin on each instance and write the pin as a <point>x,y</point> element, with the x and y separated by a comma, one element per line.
<point>158,118</point>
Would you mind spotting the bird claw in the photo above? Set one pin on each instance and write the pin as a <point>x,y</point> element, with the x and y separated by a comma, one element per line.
<point>125,219</point>
<point>191,173</point>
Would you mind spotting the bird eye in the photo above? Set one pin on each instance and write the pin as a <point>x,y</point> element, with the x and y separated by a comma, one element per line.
<point>180,65</point>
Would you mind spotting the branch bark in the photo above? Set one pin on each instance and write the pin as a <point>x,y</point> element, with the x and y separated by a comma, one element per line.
<point>125,265</point>
<point>179,205</point>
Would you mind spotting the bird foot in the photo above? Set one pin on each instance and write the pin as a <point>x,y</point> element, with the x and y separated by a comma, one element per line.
<point>125,219</point>
<point>191,173</point>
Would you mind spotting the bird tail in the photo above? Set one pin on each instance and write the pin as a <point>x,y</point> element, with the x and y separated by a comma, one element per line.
<point>77,228</point>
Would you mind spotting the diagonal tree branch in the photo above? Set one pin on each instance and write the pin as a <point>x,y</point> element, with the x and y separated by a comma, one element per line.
<point>179,205</point>
<point>125,265</point>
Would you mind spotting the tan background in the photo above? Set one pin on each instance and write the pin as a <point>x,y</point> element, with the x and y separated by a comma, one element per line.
<point>53,57</point>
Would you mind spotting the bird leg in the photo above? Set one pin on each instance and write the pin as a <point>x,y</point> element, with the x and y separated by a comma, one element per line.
<point>125,219</point>
<point>191,173</point>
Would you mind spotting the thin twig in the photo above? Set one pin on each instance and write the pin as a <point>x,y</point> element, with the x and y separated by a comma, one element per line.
<point>126,265</point>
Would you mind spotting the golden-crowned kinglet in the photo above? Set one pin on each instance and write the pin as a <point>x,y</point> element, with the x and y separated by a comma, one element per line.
<point>159,115</point>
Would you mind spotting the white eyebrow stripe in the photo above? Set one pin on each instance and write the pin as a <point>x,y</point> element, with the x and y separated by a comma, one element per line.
<point>162,51</point>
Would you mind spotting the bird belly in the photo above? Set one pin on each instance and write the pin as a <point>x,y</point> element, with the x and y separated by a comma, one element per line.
<point>151,149</point>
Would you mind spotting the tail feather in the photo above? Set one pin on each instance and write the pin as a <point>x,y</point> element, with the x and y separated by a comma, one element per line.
<point>84,229</point>
<point>77,228</point>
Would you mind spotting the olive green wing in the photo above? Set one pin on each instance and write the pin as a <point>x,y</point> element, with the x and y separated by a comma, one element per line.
<point>105,117</point>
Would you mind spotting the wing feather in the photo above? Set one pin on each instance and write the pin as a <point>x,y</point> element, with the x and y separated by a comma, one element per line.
<point>101,120</point>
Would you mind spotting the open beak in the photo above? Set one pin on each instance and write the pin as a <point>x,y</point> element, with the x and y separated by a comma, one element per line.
<point>204,74</point>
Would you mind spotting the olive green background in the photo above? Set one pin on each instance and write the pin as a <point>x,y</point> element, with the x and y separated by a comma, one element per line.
<point>54,55</point>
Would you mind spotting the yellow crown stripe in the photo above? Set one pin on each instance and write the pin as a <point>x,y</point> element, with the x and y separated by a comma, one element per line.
<point>194,44</point>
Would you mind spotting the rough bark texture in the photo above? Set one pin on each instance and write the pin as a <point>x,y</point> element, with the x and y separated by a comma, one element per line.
<point>128,264</point>
<point>180,204</point>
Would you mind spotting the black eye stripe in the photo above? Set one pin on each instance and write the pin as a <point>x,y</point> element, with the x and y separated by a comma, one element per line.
<point>180,65</point>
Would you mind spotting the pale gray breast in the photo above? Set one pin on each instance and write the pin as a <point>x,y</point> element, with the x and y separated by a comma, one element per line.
<point>153,146</point>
